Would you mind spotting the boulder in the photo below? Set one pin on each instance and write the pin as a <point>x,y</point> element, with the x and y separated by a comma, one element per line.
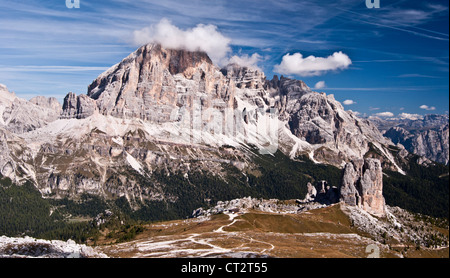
<point>312,193</point>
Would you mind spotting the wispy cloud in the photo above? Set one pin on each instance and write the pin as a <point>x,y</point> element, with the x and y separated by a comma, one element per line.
<point>51,69</point>
<point>390,89</point>
<point>416,75</point>
<point>404,19</point>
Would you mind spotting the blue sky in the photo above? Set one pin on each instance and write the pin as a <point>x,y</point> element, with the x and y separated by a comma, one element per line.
<point>399,53</point>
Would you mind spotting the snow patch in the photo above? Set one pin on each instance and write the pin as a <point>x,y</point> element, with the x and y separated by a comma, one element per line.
<point>118,140</point>
<point>2,109</point>
<point>134,163</point>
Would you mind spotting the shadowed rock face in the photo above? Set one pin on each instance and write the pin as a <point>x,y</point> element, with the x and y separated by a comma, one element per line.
<point>182,60</point>
<point>349,192</point>
<point>80,107</point>
<point>362,186</point>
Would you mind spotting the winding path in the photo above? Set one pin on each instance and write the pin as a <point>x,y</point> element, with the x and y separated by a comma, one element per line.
<point>196,245</point>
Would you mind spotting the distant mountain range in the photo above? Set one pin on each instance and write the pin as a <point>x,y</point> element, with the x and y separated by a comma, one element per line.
<point>427,136</point>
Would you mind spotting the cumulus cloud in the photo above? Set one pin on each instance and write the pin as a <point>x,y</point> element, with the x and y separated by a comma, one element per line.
<point>296,64</point>
<point>349,102</point>
<point>246,60</point>
<point>205,38</point>
<point>356,113</point>
<point>320,85</point>
<point>385,114</point>
<point>408,116</point>
<point>428,108</point>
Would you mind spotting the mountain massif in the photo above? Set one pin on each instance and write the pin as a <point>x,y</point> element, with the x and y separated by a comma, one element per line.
<point>167,131</point>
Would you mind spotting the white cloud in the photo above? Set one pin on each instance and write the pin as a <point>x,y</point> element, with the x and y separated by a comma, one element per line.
<point>385,114</point>
<point>349,102</point>
<point>320,85</point>
<point>428,108</point>
<point>312,66</point>
<point>246,61</point>
<point>200,38</point>
<point>410,116</point>
<point>356,113</point>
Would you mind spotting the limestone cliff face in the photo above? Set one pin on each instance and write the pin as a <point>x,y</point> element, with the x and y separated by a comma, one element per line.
<point>362,186</point>
<point>152,82</point>
<point>7,164</point>
<point>80,107</point>
<point>433,144</point>
<point>350,192</point>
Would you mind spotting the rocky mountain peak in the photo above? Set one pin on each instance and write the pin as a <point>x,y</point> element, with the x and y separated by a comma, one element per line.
<point>245,77</point>
<point>147,60</point>
<point>152,82</point>
<point>6,95</point>
<point>50,103</point>
<point>362,186</point>
<point>19,115</point>
<point>78,107</point>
